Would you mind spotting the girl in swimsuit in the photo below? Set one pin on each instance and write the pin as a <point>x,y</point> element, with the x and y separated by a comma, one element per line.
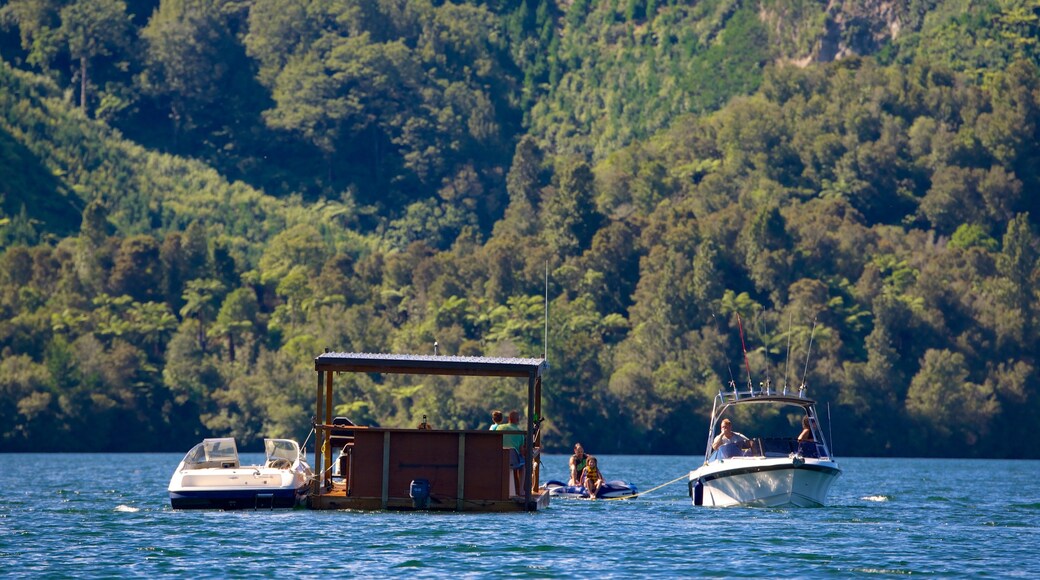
<point>591,477</point>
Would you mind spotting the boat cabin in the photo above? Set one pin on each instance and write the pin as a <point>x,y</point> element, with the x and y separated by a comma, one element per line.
<point>770,446</point>
<point>372,468</point>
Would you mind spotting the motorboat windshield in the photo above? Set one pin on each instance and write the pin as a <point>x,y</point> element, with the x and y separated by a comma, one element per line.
<point>221,452</point>
<point>281,449</point>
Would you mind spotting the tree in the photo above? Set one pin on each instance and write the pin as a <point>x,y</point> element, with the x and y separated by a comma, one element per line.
<point>38,22</point>
<point>93,28</point>
<point>1019,264</point>
<point>137,271</point>
<point>765,251</point>
<point>298,294</point>
<point>196,251</point>
<point>523,184</point>
<point>95,226</point>
<point>237,316</point>
<point>153,323</point>
<point>200,302</point>
<point>298,246</point>
<point>942,397</point>
<point>186,57</point>
<point>569,214</point>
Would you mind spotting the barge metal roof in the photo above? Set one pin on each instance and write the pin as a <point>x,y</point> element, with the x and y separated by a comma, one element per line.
<point>429,364</point>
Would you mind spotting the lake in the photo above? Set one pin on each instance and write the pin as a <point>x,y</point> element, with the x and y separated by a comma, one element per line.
<point>94,515</point>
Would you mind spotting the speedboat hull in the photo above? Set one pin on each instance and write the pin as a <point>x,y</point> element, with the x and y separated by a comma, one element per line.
<point>609,490</point>
<point>210,477</point>
<point>764,483</point>
<point>230,499</point>
<point>241,488</point>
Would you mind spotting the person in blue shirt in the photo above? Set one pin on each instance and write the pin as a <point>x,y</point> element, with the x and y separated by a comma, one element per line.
<point>496,420</point>
<point>730,438</point>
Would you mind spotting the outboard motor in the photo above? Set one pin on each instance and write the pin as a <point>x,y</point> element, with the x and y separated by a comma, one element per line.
<point>419,491</point>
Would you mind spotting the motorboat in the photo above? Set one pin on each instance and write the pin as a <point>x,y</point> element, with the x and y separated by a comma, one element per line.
<point>771,471</point>
<point>615,489</point>
<point>211,476</point>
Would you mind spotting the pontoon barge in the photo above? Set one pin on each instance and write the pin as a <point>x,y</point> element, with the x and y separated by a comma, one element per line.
<point>411,469</point>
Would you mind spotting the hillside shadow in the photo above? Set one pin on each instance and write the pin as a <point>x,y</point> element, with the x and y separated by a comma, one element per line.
<point>28,183</point>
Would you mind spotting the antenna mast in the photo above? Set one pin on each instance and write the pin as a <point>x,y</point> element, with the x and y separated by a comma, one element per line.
<point>787,364</point>
<point>545,335</point>
<point>743,347</point>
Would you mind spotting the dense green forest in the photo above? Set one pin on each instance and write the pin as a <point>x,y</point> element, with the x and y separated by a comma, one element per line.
<point>199,196</point>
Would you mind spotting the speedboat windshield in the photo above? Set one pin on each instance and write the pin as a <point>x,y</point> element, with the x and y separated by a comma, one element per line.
<point>220,452</point>
<point>223,449</point>
<point>281,449</point>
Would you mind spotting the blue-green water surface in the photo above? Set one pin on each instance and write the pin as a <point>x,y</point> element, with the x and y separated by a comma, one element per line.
<point>99,515</point>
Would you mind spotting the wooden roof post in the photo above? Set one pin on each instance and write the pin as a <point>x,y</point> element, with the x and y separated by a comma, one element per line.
<point>328,432</point>
<point>529,440</point>
<point>538,420</point>
<point>319,433</point>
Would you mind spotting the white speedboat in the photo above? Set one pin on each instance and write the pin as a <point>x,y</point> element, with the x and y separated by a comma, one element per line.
<point>211,476</point>
<point>772,471</point>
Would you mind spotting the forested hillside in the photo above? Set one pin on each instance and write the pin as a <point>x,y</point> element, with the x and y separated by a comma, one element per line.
<point>199,196</point>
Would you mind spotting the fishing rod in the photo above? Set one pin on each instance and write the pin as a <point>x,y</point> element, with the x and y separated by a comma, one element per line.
<point>769,380</point>
<point>743,347</point>
<point>729,367</point>
<point>806,371</point>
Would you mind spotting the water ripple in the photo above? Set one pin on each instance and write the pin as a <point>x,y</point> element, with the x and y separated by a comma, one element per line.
<point>886,517</point>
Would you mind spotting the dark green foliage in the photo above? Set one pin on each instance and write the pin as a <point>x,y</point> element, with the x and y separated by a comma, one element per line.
<point>25,178</point>
<point>381,175</point>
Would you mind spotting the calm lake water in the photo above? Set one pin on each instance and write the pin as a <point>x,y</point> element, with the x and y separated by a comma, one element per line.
<point>74,515</point>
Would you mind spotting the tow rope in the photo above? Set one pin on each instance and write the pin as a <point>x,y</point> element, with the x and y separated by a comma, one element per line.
<point>635,495</point>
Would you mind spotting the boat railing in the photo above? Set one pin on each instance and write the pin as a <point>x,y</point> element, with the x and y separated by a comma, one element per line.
<point>734,395</point>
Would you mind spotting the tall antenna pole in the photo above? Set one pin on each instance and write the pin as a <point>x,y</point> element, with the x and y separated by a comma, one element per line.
<point>787,365</point>
<point>743,347</point>
<point>769,381</point>
<point>545,335</point>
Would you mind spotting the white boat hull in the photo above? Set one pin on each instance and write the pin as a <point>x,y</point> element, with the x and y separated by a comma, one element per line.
<point>211,477</point>
<point>763,482</point>
<point>242,488</point>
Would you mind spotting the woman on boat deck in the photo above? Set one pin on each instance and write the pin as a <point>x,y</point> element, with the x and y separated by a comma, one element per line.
<point>806,434</point>
<point>591,477</point>
<point>806,441</point>
<point>577,464</point>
